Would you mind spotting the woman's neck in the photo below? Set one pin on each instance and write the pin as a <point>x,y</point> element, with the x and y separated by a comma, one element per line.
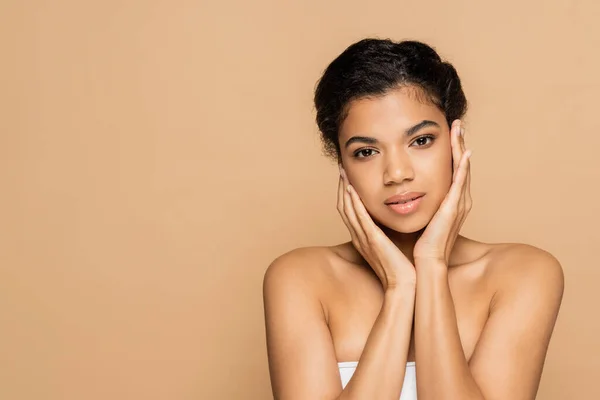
<point>404,241</point>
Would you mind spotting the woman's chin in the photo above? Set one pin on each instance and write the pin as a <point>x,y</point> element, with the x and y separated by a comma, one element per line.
<point>409,224</point>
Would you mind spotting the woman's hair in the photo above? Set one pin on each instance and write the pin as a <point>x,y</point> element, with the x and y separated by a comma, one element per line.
<point>371,68</point>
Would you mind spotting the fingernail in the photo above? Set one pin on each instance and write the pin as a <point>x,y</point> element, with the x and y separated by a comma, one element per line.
<point>469,153</point>
<point>343,173</point>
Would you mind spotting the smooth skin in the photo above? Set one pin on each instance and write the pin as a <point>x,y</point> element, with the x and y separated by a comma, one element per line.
<point>476,317</point>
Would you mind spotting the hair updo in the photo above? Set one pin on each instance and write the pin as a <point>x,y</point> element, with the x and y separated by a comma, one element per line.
<point>372,67</point>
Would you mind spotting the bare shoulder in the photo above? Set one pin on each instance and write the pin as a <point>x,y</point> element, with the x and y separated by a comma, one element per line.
<point>520,258</point>
<point>509,356</point>
<point>305,266</point>
<point>300,350</point>
<point>520,266</point>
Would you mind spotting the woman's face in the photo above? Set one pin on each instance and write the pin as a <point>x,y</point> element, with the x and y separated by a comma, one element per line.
<point>393,144</point>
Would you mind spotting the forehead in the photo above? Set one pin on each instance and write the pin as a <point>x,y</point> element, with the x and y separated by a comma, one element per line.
<point>396,109</point>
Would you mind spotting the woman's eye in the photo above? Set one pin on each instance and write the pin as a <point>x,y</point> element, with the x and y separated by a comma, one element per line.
<point>423,140</point>
<point>364,152</point>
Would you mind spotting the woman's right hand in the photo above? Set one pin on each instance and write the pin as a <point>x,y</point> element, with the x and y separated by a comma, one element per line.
<point>392,267</point>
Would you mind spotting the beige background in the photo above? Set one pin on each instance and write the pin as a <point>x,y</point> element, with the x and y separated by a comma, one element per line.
<point>156,156</point>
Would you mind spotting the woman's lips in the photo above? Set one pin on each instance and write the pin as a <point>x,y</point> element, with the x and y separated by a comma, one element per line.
<point>406,208</point>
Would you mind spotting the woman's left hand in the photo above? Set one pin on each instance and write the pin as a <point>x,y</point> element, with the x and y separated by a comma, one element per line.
<point>436,243</point>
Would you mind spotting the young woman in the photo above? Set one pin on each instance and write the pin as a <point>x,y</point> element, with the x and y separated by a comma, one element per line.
<point>408,305</point>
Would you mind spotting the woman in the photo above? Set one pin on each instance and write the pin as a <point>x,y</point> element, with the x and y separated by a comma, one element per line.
<point>408,305</point>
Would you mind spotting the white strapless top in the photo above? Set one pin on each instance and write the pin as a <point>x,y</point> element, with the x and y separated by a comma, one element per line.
<point>409,387</point>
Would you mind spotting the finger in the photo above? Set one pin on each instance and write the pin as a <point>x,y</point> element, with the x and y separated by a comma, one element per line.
<point>340,199</point>
<point>454,194</point>
<point>468,198</point>
<point>364,219</point>
<point>456,208</point>
<point>461,140</point>
<point>351,213</point>
<point>467,187</point>
<point>457,155</point>
<point>448,211</point>
<point>466,194</point>
<point>463,206</point>
<point>456,148</point>
<point>341,210</point>
<point>348,208</point>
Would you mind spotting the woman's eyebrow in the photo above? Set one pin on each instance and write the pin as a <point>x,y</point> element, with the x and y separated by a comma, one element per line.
<point>408,133</point>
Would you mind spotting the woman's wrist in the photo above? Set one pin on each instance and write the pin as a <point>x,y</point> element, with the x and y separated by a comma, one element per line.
<point>404,293</point>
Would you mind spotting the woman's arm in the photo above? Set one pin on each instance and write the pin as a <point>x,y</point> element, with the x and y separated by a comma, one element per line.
<point>301,354</point>
<point>380,372</point>
<point>509,356</point>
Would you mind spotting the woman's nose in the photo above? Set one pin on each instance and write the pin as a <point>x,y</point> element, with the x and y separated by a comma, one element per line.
<point>398,168</point>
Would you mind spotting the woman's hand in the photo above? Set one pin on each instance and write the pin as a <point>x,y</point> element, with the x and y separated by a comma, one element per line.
<point>392,267</point>
<point>435,244</point>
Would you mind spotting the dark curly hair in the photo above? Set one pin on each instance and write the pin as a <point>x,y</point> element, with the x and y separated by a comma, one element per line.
<point>371,67</point>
